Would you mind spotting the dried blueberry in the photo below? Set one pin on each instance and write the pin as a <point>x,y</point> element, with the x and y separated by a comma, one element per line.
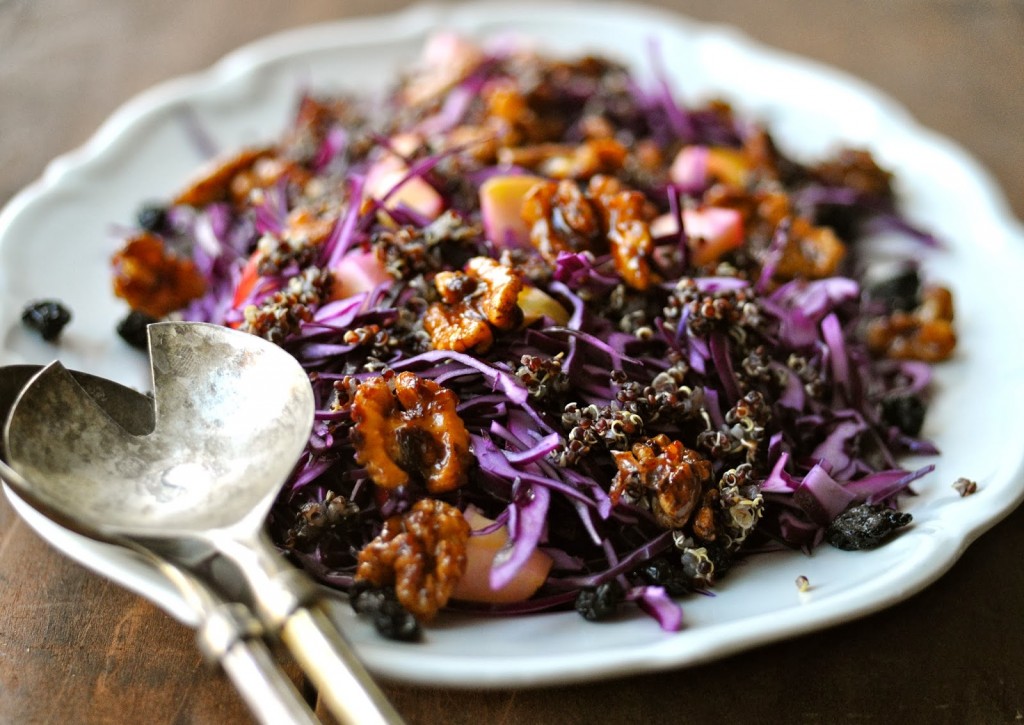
<point>902,291</point>
<point>864,526</point>
<point>906,412</point>
<point>152,217</point>
<point>600,602</point>
<point>132,329</point>
<point>47,317</point>
<point>389,617</point>
<point>662,572</point>
<point>394,621</point>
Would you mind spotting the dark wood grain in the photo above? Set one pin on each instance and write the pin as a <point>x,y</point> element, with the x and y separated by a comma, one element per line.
<point>76,649</point>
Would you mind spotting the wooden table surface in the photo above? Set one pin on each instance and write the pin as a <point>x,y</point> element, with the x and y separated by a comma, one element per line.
<point>77,649</point>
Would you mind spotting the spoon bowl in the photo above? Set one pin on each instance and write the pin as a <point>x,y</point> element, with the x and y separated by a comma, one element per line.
<point>226,425</point>
<point>232,413</point>
<point>226,632</point>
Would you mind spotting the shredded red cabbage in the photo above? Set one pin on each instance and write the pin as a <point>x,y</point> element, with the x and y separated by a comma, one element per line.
<point>754,358</point>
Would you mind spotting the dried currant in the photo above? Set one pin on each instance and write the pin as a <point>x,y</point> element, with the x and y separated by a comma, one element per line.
<point>864,526</point>
<point>47,317</point>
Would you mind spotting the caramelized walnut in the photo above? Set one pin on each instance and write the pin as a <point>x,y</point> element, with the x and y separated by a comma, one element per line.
<point>405,426</point>
<point>704,519</point>
<point>626,219</point>
<point>855,169</point>
<point>564,219</point>
<point>561,219</point>
<point>568,161</point>
<point>154,280</point>
<point>667,476</point>
<point>422,553</point>
<point>214,181</point>
<point>811,253</point>
<point>926,333</point>
<point>473,303</point>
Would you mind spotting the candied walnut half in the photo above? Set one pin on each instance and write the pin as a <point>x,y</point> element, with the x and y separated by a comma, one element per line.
<point>925,333</point>
<point>406,426</point>
<point>626,219</point>
<point>152,279</point>
<point>812,252</point>
<point>562,219</point>
<point>474,302</point>
<point>213,183</point>
<point>669,478</point>
<point>855,169</point>
<point>565,161</point>
<point>422,553</point>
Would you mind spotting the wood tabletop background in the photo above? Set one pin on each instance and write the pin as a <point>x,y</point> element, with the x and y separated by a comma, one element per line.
<point>77,649</point>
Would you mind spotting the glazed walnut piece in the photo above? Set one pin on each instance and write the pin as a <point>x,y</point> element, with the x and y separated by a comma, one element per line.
<point>925,333</point>
<point>671,478</point>
<point>812,252</point>
<point>152,279</point>
<point>562,218</point>
<point>214,182</point>
<point>421,553</point>
<point>626,220</point>
<point>407,428</point>
<point>474,302</point>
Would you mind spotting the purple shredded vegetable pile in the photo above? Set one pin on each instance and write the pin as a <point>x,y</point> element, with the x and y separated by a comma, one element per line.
<point>723,333</point>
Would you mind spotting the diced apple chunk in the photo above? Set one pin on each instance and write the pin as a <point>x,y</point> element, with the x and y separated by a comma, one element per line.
<point>357,272</point>
<point>414,193</point>
<point>712,231</point>
<point>729,166</point>
<point>501,203</point>
<point>474,586</point>
<point>689,169</point>
<point>536,304</point>
<point>694,167</point>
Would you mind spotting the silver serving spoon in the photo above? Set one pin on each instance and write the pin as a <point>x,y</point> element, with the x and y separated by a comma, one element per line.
<point>232,415</point>
<point>226,633</point>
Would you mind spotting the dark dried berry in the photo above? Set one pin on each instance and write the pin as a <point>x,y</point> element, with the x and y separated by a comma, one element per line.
<point>152,217</point>
<point>662,572</point>
<point>47,317</point>
<point>365,598</point>
<point>902,291</point>
<point>394,621</point>
<point>864,526</point>
<point>601,602</point>
<point>389,617</point>
<point>906,412</point>
<point>132,329</point>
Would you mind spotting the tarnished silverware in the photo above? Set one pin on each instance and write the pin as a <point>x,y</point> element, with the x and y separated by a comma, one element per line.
<point>227,633</point>
<point>232,414</point>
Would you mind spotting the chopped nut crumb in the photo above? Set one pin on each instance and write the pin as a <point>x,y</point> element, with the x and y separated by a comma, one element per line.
<point>965,486</point>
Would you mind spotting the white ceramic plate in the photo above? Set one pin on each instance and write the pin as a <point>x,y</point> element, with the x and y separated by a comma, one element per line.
<point>55,241</point>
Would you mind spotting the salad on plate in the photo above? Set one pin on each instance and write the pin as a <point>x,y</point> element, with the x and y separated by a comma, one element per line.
<point>575,344</point>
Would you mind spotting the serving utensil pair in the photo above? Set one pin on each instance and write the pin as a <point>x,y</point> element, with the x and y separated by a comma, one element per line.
<point>186,479</point>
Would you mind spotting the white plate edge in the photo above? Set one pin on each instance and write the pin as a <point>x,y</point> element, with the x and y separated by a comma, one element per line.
<point>417,20</point>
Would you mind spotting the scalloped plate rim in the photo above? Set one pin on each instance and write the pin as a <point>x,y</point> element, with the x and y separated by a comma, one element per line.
<point>943,546</point>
